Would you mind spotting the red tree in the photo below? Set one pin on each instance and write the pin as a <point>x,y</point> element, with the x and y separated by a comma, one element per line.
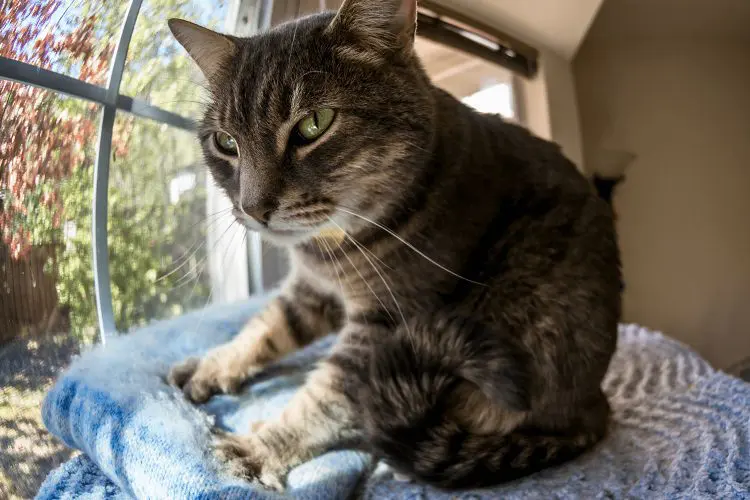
<point>41,142</point>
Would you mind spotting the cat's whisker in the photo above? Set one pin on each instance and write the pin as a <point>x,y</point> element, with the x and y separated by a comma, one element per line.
<point>223,264</point>
<point>185,261</point>
<point>335,262</point>
<point>192,250</point>
<point>367,283</point>
<point>387,286</point>
<point>188,277</point>
<point>376,257</point>
<point>229,246</point>
<point>291,47</point>
<point>415,249</point>
<point>406,143</point>
<point>383,279</point>
<point>210,220</point>
<point>210,251</point>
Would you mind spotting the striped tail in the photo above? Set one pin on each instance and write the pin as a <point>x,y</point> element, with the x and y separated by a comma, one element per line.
<point>413,379</point>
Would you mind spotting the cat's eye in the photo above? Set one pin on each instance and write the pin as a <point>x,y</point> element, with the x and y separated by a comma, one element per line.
<point>225,143</point>
<point>315,123</point>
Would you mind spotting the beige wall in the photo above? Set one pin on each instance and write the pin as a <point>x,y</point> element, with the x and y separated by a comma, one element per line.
<point>548,104</point>
<point>684,211</point>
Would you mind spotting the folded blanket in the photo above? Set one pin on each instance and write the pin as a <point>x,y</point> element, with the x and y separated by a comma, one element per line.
<point>680,428</point>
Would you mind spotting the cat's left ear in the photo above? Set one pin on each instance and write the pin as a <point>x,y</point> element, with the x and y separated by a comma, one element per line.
<point>378,25</point>
<point>210,50</point>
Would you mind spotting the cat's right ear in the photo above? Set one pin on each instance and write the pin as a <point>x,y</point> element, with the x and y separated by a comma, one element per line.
<point>209,50</point>
<point>379,26</point>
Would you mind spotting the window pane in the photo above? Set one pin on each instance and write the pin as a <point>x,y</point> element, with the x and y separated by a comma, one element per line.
<point>480,84</point>
<point>73,37</point>
<point>163,246</point>
<point>158,69</point>
<point>47,310</point>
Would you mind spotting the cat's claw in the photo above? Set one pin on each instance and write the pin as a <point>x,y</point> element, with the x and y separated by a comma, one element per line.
<point>248,458</point>
<point>200,379</point>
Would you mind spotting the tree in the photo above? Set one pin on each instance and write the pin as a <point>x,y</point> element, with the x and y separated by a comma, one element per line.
<point>43,139</point>
<point>47,150</point>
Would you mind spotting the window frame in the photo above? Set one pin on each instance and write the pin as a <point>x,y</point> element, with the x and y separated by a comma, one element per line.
<point>111,101</point>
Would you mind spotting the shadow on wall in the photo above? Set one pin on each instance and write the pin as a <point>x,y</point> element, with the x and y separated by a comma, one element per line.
<point>683,108</point>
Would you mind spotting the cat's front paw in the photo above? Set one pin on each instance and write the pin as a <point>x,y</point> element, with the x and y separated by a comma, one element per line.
<point>247,457</point>
<point>215,373</point>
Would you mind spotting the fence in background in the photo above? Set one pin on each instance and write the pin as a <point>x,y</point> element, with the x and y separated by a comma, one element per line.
<point>28,296</point>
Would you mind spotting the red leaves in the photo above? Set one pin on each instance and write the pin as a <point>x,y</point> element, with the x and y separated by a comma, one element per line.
<point>21,22</point>
<point>44,136</point>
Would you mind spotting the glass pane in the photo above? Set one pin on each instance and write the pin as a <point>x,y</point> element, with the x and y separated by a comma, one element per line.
<point>163,246</point>
<point>485,86</point>
<point>73,37</point>
<point>47,311</point>
<point>157,69</point>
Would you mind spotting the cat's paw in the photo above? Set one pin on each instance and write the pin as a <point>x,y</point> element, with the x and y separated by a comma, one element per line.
<point>200,379</point>
<point>247,457</point>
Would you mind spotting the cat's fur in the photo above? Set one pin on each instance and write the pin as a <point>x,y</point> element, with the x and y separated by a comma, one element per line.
<point>471,355</point>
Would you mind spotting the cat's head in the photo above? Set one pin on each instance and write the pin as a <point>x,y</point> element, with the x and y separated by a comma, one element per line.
<point>316,118</point>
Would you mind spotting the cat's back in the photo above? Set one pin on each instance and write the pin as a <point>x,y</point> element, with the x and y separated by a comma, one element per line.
<point>530,216</point>
<point>489,145</point>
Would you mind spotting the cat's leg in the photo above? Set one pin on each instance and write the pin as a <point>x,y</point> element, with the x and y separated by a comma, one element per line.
<point>321,416</point>
<point>292,320</point>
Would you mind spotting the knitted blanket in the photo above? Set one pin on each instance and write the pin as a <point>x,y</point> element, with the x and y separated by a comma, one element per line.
<point>680,428</point>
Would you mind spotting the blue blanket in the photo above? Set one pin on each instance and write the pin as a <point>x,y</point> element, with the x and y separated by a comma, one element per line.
<point>680,428</point>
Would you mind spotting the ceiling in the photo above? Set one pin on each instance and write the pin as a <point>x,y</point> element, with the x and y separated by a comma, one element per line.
<point>630,19</point>
<point>559,25</point>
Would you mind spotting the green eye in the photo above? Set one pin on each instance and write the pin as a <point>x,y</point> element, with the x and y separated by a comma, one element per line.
<point>225,143</point>
<point>316,123</point>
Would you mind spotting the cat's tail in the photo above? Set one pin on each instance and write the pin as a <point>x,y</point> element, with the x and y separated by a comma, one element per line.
<point>420,413</point>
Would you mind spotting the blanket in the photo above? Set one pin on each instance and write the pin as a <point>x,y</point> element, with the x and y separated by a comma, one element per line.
<point>680,429</point>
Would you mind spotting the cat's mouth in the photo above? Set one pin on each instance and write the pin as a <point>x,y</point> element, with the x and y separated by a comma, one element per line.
<point>281,235</point>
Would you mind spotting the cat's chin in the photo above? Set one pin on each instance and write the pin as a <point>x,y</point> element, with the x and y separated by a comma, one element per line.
<point>286,238</point>
<point>279,237</point>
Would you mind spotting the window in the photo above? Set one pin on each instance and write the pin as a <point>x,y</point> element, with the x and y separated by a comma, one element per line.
<point>482,85</point>
<point>46,163</point>
<point>156,231</point>
<point>96,144</point>
<point>70,38</point>
<point>156,70</point>
<point>496,98</point>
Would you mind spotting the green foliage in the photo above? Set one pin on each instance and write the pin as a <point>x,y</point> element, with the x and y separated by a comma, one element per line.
<point>148,236</point>
<point>156,244</point>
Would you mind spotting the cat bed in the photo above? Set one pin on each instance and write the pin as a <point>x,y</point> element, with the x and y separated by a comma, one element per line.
<point>680,429</point>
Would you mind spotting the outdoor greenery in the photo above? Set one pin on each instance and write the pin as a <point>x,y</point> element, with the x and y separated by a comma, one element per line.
<point>48,149</point>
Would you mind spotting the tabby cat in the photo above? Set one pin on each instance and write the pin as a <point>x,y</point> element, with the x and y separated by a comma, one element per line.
<point>470,270</point>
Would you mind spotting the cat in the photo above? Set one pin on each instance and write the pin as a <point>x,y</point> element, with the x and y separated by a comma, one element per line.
<point>470,270</point>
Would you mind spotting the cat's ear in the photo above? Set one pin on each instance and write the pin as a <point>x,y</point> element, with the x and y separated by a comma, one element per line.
<point>379,25</point>
<point>210,50</point>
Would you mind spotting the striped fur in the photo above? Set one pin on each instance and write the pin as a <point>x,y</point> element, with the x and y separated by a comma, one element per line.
<point>472,272</point>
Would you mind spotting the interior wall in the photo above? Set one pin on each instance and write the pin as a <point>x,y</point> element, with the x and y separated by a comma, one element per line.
<point>683,108</point>
<point>549,105</point>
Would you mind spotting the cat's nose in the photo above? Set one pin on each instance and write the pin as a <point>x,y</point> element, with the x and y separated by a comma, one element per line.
<point>261,212</point>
